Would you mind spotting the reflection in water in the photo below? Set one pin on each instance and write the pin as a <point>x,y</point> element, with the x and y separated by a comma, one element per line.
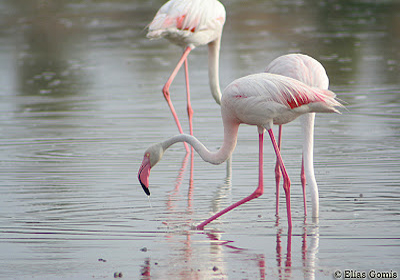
<point>178,183</point>
<point>188,265</point>
<point>197,266</point>
<point>190,191</point>
<point>284,273</point>
<point>309,253</point>
<point>145,270</point>
<point>223,191</point>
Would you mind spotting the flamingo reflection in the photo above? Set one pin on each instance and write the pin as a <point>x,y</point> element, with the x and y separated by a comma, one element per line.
<point>285,269</point>
<point>309,256</point>
<point>178,182</point>
<point>190,259</point>
<point>145,270</point>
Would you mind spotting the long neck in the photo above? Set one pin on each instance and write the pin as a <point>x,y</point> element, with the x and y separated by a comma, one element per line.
<point>213,69</point>
<point>218,157</point>
<point>307,121</point>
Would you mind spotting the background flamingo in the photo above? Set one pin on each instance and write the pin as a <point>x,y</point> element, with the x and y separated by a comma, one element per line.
<point>191,23</point>
<point>263,100</point>
<point>309,71</point>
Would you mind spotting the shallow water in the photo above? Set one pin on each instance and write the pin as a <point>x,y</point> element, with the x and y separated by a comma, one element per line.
<point>80,102</point>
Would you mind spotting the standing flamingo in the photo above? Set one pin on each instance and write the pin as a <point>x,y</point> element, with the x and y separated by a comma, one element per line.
<point>191,23</point>
<point>263,100</point>
<point>309,71</point>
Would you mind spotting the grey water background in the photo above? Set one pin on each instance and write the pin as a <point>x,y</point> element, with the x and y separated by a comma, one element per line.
<point>80,91</point>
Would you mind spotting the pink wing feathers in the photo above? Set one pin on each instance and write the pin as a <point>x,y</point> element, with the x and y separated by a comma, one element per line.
<point>186,15</point>
<point>282,90</point>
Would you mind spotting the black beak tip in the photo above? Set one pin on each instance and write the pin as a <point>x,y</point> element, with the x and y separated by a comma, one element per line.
<point>146,189</point>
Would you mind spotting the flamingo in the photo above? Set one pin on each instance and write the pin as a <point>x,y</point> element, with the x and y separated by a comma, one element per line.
<point>311,72</point>
<point>188,24</point>
<point>262,100</point>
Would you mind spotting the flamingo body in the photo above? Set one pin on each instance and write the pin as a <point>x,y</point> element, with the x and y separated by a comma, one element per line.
<point>262,100</point>
<point>300,67</point>
<point>188,23</point>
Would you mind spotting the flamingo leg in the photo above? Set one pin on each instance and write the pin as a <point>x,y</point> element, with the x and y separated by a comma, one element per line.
<point>258,192</point>
<point>166,93</point>
<point>278,173</point>
<point>189,105</point>
<point>303,184</point>
<point>286,180</point>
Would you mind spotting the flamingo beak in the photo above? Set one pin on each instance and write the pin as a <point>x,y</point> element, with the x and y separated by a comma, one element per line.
<point>144,173</point>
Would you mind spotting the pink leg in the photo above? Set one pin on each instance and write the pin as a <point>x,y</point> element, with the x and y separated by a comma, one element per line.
<point>259,191</point>
<point>303,184</point>
<point>189,106</point>
<point>278,172</point>
<point>166,93</point>
<point>286,180</point>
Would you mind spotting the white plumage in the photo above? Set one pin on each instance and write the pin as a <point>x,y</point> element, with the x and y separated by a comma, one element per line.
<point>263,98</point>
<point>300,67</point>
<point>184,22</point>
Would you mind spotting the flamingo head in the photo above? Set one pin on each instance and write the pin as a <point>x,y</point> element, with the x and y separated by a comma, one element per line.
<point>151,157</point>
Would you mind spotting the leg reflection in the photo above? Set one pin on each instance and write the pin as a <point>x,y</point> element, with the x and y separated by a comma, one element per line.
<point>173,198</point>
<point>145,270</point>
<point>309,252</point>
<point>190,191</point>
<point>284,269</point>
<point>224,190</point>
<point>218,244</point>
<point>178,183</point>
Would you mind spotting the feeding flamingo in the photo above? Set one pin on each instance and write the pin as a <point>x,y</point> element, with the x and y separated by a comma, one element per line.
<point>309,71</point>
<point>263,100</point>
<point>191,23</point>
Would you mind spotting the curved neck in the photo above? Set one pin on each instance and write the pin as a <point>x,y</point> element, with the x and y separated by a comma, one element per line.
<point>218,157</point>
<point>213,69</point>
<point>307,121</point>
